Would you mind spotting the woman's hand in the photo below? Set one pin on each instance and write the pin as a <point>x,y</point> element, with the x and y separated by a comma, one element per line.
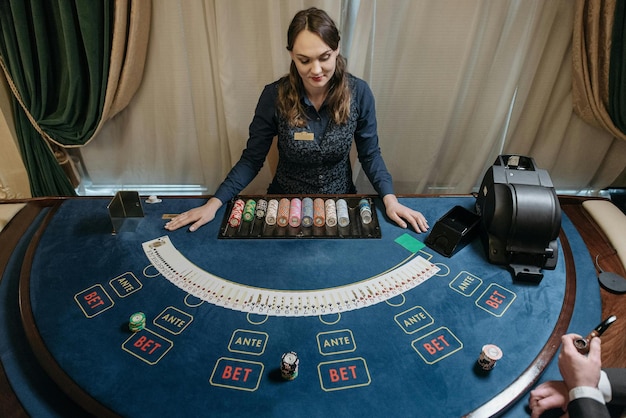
<point>196,216</point>
<point>402,215</point>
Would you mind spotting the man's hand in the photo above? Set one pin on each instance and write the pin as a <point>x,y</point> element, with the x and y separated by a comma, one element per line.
<point>547,396</point>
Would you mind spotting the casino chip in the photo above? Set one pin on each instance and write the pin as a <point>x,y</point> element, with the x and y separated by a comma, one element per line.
<point>289,365</point>
<point>342,212</point>
<point>489,355</point>
<point>365,210</point>
<point>137,322</point>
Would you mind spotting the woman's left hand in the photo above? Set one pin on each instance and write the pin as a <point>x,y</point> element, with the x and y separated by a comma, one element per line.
<point>403,215</point>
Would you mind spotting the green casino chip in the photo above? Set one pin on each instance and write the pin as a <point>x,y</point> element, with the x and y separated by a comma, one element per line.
<point>138,318</point>
<point>137,321</point>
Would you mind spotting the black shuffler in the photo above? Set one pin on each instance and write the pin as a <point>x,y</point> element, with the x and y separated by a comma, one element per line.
<point>521,217</point>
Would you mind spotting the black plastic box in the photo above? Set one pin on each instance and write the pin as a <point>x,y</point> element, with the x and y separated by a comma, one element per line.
<point>453,231</point>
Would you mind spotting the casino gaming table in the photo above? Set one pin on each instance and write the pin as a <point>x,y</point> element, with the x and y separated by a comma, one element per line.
<point>382,324</point>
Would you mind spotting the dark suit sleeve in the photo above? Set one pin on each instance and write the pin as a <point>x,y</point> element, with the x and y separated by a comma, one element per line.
<point>586,408</point>
<point>617,377</point>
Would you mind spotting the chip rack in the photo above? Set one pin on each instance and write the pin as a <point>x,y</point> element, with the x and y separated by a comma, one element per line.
<point>257,228</point>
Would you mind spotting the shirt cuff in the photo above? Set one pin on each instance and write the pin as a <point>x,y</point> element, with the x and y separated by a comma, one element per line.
<point>605,387</point>
<point>586,392</point>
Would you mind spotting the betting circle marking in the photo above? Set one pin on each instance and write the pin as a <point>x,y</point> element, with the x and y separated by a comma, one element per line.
<point>191,303</point>
<point>261,321</point>
<point>149,276</point>
<point>391,301</point>
<point>444,270</point>
<point>329,322</point>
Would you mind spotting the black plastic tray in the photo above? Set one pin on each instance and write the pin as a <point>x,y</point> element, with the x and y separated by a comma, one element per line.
<point>258,228</point>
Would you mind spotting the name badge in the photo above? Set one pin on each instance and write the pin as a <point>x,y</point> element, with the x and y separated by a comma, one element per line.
<point>303,136</point>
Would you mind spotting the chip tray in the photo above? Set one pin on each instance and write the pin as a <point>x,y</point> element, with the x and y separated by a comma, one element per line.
<point>258,227</point>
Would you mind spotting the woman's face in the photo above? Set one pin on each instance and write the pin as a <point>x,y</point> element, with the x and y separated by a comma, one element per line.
<point>314,60</point>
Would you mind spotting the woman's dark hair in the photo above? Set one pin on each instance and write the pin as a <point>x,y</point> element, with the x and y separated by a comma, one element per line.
<point>291,87</point>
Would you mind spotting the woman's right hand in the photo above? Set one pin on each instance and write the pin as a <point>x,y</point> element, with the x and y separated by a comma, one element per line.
<point>196,217</point>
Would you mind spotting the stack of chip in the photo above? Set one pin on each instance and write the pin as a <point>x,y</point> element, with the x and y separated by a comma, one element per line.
<point>489,355</point>
<point>237,212</point>
<point>295,212</point>
<point>272,212</point>
<point>319,214</point>
<point>365,210</point>
<point>137,322</point>
<point>307,212</point>
<point>284,205</point>
<point>342,213</point>
<point>261,208</point>
<point>289,365</point>
<point>249,210</point>
<point>331,212</point>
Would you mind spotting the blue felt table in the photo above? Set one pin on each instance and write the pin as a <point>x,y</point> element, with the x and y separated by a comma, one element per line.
<point>412,355</point>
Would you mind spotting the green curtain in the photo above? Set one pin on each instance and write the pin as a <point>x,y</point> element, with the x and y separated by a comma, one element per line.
<point>57,55</point>
<point>617,69</point>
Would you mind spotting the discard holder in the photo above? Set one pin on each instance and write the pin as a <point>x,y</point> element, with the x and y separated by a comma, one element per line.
<point>453,231</point>
<point>125,211</point>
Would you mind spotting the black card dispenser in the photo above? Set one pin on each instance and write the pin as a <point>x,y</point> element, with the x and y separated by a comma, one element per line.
<point>453,231</point>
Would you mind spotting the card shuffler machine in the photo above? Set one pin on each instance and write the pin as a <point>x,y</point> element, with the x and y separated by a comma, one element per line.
<point>520,216</point>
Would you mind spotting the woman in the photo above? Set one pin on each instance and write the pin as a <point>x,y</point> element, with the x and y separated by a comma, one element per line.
<point>316,111</point>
